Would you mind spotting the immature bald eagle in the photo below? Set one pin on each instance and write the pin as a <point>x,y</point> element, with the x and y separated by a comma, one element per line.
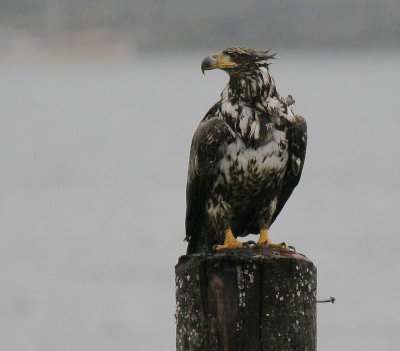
<point>246,157</point>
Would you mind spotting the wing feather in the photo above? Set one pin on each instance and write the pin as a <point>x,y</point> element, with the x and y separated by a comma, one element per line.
<point>297,141</point>
<point>209,141</point>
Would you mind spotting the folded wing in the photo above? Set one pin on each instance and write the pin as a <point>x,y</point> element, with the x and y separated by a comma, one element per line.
<point>208,145</point>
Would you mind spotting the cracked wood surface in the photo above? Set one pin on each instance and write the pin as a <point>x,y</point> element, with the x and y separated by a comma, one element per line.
<point>247,299</point>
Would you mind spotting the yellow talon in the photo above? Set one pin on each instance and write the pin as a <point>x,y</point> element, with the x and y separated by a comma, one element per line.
<point>230,242</point>
<point>264,240</point>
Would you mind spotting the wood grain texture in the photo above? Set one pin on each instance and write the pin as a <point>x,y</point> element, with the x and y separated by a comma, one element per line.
<point>246,299</point>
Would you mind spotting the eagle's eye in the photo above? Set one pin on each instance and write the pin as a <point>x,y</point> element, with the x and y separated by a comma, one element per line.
<point>234,55</point>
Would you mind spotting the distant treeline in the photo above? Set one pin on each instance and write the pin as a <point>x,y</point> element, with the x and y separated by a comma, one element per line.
<point>194,24</point>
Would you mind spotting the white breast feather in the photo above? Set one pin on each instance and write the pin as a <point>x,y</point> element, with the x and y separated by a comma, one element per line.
<point>245,116</point>
<point>255,130</point>
<point>229,109</point>
<point>267,156</point>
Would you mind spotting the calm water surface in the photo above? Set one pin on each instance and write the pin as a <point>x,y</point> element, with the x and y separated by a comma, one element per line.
<point>93,160</point>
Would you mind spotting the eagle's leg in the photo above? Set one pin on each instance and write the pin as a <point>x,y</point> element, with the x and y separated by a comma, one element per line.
<point>264,240</point>
<point>230,242</point>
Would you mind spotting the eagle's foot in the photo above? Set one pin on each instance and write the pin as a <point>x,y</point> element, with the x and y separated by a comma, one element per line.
<point>265,241</point>
<point>278,246</point>
<point>230,242</point>
<point>229,246</point>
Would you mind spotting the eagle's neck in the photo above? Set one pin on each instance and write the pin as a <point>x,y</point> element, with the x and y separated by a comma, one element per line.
<point>245,101</point>
<point>251,90</point>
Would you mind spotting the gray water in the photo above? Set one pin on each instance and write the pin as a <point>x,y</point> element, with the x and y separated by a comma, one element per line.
<point>93,159</point>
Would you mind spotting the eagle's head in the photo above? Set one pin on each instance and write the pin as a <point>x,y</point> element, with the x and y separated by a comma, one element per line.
<point>238,61</point>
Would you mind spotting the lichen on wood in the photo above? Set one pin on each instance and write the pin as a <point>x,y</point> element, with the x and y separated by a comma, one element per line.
<point>246,299</point>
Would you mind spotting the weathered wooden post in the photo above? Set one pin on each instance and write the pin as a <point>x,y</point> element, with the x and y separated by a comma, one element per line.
<point>246,300</point>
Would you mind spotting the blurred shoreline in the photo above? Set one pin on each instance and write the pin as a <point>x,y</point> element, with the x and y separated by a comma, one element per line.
<point>91,44</point>
<point>104,45</point>
<point>60,29</point>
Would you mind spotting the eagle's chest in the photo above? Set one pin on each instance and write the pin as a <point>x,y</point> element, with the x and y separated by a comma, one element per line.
<point>250,169</point>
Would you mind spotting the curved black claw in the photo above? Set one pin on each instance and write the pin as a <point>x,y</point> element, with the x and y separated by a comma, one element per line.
<point>289,247</point>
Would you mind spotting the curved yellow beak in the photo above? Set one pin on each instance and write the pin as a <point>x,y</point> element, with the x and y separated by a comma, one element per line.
<point>219,60</point>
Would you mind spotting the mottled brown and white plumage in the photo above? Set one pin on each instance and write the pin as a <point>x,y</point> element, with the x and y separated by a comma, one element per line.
<point>247,153</point>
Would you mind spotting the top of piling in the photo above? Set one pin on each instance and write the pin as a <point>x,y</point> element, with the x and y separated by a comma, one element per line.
<point>257,254</point>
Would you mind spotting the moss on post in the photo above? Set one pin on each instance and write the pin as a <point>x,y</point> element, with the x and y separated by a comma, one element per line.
<point>246,299</point>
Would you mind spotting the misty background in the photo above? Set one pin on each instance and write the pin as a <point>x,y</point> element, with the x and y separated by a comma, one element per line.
<point>99,102</point>
<point>117,27</point>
